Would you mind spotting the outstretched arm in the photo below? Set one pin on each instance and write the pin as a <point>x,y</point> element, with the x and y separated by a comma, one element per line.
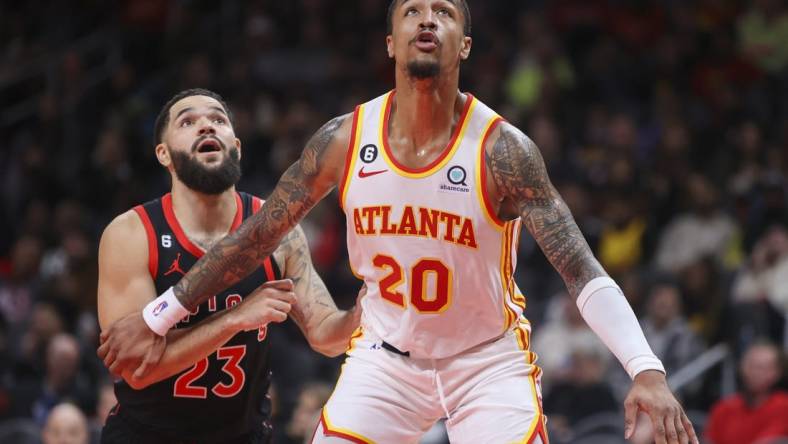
<point>305,183</point>
<point>326,327</point>
<point>521,187</point>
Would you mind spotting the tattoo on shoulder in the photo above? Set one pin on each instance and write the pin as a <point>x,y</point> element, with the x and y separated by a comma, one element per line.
<point>520,175</point>
<point>240,253</point>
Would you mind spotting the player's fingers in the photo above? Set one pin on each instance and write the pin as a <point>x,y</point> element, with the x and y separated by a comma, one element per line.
<point>658,419</point>
<point>151,358</point>
<point>103,336</point>
<point>671,434</point>
<point>102,350</point>
<point>278,316</point>
<point>110,357</point>
<point>116,368</point>
<point>282,284</point>
<point>683,436</point>
<point>630,417</point>
<point>689,428</point>
<point>278,305</point>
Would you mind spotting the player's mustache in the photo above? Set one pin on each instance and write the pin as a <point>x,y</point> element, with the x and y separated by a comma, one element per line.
<point>203,138</point>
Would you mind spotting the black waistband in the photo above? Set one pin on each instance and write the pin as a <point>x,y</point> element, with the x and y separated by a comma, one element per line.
<point>393,349</point>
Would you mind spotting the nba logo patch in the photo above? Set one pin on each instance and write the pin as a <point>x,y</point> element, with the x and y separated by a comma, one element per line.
<point>159,308</point>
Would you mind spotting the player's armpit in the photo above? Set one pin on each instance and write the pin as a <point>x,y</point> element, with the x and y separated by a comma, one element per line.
<point>521,184</point>
<point>307,181</point>
<point>326,328</point>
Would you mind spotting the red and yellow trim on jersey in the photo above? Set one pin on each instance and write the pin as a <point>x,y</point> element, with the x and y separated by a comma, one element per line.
<point>352,154</point>
<point>330,429</point>
<point>510,294</point>
<point>441,160</point>
<point>150,233</point>
<point>481,177</point>
<point>537,427</point>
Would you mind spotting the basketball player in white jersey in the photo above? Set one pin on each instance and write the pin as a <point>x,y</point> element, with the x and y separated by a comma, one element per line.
<point>435,187</point>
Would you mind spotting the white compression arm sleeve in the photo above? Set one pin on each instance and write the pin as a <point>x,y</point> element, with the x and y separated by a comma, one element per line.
<point>605,309</point>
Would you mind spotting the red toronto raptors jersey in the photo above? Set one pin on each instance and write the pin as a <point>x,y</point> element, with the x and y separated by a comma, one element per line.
<point>437,261</point>
<point>224,394</point>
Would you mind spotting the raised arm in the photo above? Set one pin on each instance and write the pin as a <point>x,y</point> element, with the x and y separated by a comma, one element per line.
<point>520,186</point>
<point>523,189</point>
<point>305,183</point>
<point>326,327</point>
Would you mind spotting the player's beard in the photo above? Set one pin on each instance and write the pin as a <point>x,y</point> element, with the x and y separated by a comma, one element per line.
<point>206,180</point>
<point>422,70</point>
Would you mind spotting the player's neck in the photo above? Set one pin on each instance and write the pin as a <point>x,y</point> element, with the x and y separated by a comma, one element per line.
<point>203,214</point>
<point>424,110</point>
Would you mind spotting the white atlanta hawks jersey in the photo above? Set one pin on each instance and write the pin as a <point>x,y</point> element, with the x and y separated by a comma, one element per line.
<point>437,263</point>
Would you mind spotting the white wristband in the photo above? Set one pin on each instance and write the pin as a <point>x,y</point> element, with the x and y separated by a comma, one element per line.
<point>607,312</point>
<point>163,312</point>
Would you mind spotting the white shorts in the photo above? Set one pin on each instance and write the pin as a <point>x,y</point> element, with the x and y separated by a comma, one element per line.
<point>489,394</point>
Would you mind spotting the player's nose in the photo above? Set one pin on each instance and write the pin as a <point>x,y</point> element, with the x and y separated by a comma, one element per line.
<point>428,21</point>
<point>206,127</point>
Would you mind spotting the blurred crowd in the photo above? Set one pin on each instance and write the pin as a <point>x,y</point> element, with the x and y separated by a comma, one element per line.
<point>664,124</point>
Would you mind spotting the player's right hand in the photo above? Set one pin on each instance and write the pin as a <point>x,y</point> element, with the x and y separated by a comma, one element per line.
<point>270,302</point>
<point>130,344</point>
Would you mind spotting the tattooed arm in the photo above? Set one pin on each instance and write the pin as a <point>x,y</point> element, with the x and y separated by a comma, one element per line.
<point>327,328</point>
<point>522,188</point>
<point>305,183</point>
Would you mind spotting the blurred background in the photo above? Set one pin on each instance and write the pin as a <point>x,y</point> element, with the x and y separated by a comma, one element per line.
<point>664,124</point>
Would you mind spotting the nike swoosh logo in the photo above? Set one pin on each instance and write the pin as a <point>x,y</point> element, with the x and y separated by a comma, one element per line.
<point>362,174</point>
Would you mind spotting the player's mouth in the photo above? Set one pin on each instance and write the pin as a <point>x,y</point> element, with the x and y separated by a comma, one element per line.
<point>426,41</point>
<point>208,145</point>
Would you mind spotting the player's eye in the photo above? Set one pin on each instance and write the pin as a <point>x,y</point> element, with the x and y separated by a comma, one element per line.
<point>444,11</point>
<point>185,122</point>
<point>411,11</point>
<point>220,120</point>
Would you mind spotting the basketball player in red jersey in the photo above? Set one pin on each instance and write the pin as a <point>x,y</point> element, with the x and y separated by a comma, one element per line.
<point>211,383</point>
<point>442,331</point>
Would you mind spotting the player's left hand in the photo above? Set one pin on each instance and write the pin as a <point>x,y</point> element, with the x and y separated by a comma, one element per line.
<point>650,393</point>
<point>129,344</point>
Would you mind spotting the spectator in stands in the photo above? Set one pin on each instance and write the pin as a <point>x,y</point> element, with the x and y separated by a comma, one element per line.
<point>66,424</point>
<point>757,414</point>
<point>307,411</point>
<point>667,330</point>
<point>705,230</point>
<point>760,291</point>
<point>583,394</point>
<point>63,381</point>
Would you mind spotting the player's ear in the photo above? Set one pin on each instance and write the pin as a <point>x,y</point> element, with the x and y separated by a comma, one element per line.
<point>163,155</point>
<point>465,50</point>
<point>390,46</point>
<point>238,145</point>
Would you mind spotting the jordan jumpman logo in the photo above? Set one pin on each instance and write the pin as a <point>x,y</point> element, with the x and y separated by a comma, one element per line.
<point>176,266</point>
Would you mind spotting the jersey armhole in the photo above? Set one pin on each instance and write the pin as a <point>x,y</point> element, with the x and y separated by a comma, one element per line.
<point>350,156</point>
<point>153,252</point>
<point>484,193</point>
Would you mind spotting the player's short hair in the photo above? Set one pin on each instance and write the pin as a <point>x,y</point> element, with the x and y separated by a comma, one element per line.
<point>164,114</point>
<point>462,4</point>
